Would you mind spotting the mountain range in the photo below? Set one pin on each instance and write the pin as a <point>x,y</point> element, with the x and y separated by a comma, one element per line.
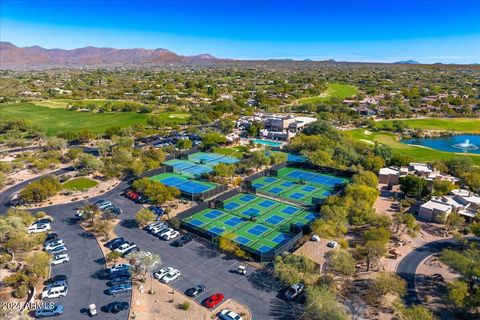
<point>13,57</point>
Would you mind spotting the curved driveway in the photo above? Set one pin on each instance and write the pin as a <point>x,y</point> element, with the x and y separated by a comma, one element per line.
<point>407,267</point>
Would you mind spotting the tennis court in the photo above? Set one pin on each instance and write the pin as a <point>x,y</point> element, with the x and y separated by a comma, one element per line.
<point>211,159</point>
<point>299,185</point>
<point>186,186</point>
<point>188,168</point>
<point>260,225</point>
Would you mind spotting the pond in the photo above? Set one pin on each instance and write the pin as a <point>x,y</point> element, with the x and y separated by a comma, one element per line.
<point>457,143</point>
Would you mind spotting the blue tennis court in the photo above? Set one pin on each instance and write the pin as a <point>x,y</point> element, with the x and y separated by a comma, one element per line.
<point>258,185</point>
<point>242,240</point>
<point>301,175</point>
<point>264,249</point>
<point>308,188</point>
<point>257,230</point>
<point>274,219</point>
<point>290,210</point>
<point>196,222</point>
<point>212,159</point>
<point>252,212</point>
<point>270,179</point>
<point>266,203</point>
<point>213,214</point>
<point>297,195</point>
<point>193,187</point>
<point>216,230</point>
<point>275,190</point>
<point>288,183</point>
<point>280,238</point>
<point>172,181</point>
<point>233,222</point>
<point>231,206</point>
<point>247,198</point>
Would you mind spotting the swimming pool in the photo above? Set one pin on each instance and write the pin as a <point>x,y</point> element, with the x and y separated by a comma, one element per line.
<point>268,143</point>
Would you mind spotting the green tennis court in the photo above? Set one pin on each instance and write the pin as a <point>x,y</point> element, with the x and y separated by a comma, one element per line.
<point>299,185</point>
<point>186,186</point>
<point>259,224</point>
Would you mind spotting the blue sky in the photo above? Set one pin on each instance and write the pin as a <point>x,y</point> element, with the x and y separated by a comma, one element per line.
<point>389,30</point>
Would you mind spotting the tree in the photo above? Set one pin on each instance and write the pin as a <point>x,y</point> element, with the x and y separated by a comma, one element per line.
<point>414,186</point>
<point>184,144</point>
<point>143,263</point>
<point>155,191</point>
<point>226,244</point>
<point>341,262</point>
<point>40,190</point>
<point>73,153</point>
<point>408,222</point>
<point>367,178</point>
<point>37,265</point>
<point>294,269</point>
<point>213,139</point>
<point>144,216</point>
<point>226,126</point>
<point>415,312</point>
<point>442,187</point>
<point>56,144</point>
<point>322,304</point>
<point>224,170</point>
<point>89,162</point>
<point>389,283</point>
<point>278,157</point>
<point>156,122</point>
<point>113,256</point>
<point>451,222</point>
<point>260,159</point>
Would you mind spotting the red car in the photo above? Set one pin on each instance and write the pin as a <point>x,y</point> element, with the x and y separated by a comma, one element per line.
<point>214,300</point>
<point>132,195</point>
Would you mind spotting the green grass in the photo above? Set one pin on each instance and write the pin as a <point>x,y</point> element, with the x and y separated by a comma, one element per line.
<point>467,125</point>
<point>62,103</point>
<point>79,184</point>
<point>334,90</point>
<point>57,120</point>
<point>415,152</point>
<point>234,152</point>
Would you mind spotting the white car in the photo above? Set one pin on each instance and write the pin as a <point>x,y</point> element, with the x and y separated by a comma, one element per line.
<point>104,205</point>
<point>56,292</point>
<point>172,275</point>
<point>36,228</point>
<point>171,235</point>
<point>125,247</point>
<point>60,258</point>
<point>160,273</point>
<point>153,225</point>
<point>55,285</point>
<point>164,232</point>
<point>54,244</point>
<point>159,229</point>
<point>120,266</point>
<point>229,315</point>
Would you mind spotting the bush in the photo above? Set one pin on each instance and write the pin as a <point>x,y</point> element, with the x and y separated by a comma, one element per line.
<point>21,292</point>
<point>184,305</point>
<point>40,215</point>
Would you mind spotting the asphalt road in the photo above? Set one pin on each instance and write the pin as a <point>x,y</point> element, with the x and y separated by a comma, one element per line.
<point>407,267</point>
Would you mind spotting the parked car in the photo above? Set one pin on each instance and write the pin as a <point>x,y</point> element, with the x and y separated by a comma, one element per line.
<point>119,289</point>
<point>55,292</point>
<point>294,291</point>
<point>229,315</point>
<point>57,249</point>
<point>164,232</point>
<point>119,280</point>
<point>131,250</point>
<point>195,291</point>
<point>214,300</point>
<point>60,258</point>
<point>183,240</point>
<point>170,235</point>
<point>55,284</point>
<point>50,237</point>
<point>117,274</point>
<point>160,273</point>
<point>118,267</point>
<point>56,278</point>
<point>153,225</point>
<point>50,311</point>
<point>113,242</point>
<point>115,307</point>
<point>157,210</point>
<point>53,243</point>
<point>332,244</point>
<point>43,221</point>
<point>102,204</point>
<point>35,228</point>
<point>122,249</point>
<point>171,276</point>
<point>159,229</point>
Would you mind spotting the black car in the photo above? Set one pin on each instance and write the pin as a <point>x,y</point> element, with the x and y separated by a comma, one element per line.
<point>195,291</point>
<point>183,240</point>
<point>115,241</point>
<point>50,237</point>
<point>115,307</point>
<point>119,280</point>
<point>119,273</point>
<point>117,244</point>
<point>59,277</point>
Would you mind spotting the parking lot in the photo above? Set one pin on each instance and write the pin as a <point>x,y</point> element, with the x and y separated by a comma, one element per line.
<point>201,263</point>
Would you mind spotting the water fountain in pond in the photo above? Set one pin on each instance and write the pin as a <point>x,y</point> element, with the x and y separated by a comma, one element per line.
<point>466,145</point>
